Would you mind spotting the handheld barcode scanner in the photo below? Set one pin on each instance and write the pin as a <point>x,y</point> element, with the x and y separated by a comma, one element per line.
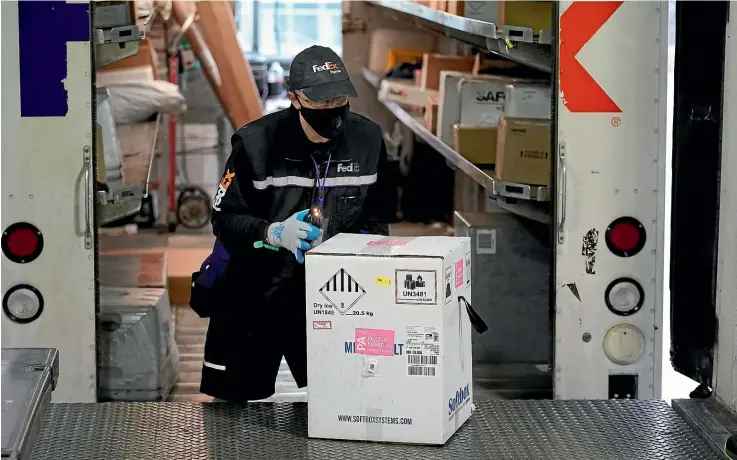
<point>314,217</point>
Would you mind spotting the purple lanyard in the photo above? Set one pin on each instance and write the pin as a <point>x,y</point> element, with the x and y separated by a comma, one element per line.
<point>321,187</point>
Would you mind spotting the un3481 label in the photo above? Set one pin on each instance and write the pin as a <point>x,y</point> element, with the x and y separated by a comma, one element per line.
<point>416,287</point>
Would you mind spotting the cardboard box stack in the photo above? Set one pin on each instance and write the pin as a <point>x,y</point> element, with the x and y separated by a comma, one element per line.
<point>384,319</point>
<point>462,99</point>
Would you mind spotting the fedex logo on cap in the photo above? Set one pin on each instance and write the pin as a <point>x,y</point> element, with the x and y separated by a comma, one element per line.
<point>333,68</point>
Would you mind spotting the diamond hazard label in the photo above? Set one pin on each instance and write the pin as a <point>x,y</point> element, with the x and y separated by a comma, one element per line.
<point>342,291</point>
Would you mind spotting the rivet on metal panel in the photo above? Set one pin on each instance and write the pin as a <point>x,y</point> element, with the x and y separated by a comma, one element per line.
<point>586,337</point>
<point>12,196</point>
<point>654,251</point>
<point>30,196</point>
<point>635,190</point>
<point>91,317</point>
<point>87,105</point>
<point>86,74</point>
<point>616,190</point>
<point>652,281</point>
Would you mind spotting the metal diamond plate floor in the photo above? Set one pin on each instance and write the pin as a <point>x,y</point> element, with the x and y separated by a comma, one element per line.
<point>499,430</point>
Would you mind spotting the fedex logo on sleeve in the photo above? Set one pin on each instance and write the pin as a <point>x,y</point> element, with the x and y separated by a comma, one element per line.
<point>333,68</point>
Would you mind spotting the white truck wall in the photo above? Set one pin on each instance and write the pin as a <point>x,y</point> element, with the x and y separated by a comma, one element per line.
<point>44,182</point>
<point>614,167</point>
<point>726,303</point>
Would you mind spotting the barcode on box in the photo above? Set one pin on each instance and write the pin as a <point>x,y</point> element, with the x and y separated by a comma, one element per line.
<point>413,359</point>
<point>419,370</point>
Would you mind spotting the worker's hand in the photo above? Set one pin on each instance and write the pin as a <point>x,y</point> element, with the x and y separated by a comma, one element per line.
<point>293,234</point>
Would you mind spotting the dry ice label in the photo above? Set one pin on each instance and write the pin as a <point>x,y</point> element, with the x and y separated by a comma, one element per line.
<point>416,287</point>
<point>342,292</point>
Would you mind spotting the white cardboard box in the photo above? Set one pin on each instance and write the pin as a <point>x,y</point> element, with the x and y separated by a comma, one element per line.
<point>449,100</point>
<point>527,101</point>
<point>404,93</point>
<point>482,11</point>
<point>388,344</point>
<point>482,101</point>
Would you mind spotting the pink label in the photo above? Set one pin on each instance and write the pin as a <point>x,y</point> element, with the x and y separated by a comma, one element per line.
<point>378,342</point>
<point>459,273</point>
<point>386,243</point>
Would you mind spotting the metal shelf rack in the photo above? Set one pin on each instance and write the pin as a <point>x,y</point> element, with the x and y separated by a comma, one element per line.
<point>521,44</point>
<point>138,148</point>
<point>525,200</point>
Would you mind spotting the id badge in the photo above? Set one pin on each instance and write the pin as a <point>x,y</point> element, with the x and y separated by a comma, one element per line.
<point>323,231</point>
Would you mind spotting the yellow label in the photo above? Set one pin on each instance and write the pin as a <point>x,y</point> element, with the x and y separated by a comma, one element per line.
<point>383,281</point>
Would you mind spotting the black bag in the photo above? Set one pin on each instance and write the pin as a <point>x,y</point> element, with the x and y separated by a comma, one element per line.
<point>206,290</point>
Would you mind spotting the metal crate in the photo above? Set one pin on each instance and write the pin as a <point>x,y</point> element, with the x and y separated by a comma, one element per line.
<point>139,357</point>
<point>510,275</point>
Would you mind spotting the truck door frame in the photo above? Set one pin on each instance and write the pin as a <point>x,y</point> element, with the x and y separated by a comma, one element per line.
<point>697,151</point>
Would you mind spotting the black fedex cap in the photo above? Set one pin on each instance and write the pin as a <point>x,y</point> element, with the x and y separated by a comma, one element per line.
<point>320,74</point>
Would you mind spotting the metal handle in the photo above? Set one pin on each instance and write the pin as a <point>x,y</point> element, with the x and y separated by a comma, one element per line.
<point>561,191</point>
<point>88,190</point>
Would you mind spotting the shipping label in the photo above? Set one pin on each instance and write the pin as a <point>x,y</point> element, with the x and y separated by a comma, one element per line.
<point>423,350</point>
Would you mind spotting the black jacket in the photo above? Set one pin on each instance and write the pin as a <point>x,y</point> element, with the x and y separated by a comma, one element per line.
<point>269,176</point>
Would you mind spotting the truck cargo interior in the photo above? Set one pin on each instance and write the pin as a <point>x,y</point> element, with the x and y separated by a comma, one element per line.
<point>560,190</point>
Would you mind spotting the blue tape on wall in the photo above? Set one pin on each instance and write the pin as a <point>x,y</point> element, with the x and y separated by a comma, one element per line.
<point>44,28</point>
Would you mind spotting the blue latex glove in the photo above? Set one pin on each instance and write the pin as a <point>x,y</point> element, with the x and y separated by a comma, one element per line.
<point>293,234</point>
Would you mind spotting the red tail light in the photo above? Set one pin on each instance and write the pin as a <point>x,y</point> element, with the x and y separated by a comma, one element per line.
<point>22,242</point>
<point>625,237</point>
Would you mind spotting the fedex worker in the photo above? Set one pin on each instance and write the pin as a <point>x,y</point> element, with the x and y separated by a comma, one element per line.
<point>315,154</point>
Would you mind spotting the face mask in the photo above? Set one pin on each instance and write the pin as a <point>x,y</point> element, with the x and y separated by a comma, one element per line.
<point>328,123</point>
